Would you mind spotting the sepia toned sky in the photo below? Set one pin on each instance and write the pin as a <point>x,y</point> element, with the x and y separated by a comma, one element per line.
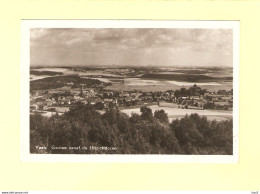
<point>131,47</point>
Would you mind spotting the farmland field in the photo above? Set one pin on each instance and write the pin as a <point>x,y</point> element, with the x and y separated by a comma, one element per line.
<point>145,79</point>
<point>177,113</point>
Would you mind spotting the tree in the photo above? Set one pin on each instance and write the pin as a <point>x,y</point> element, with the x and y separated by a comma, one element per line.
<point>146,113</point>
<point>35,140</point>
<point>187,134</point>
<point>138,134</point>
<point>135,118</point>
<point>177,94</point>
<point>161,116</point>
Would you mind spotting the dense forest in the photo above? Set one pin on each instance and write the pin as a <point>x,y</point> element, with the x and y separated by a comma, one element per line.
<point>51,73</point>
<point>147,133</point>
<point>60,81</point>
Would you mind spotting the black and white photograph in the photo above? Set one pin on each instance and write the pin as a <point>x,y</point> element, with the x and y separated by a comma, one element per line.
<point>135,88</point>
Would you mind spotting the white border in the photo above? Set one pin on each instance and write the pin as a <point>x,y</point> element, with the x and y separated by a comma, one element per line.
<point>25,66</point>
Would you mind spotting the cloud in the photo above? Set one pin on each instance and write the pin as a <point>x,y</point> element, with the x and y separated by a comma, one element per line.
<point>104,46</point>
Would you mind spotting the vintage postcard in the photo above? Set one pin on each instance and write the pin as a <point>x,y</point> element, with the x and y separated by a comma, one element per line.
<point>129,91</point>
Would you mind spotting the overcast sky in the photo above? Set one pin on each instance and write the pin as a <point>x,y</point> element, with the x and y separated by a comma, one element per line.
<point>156,47</point>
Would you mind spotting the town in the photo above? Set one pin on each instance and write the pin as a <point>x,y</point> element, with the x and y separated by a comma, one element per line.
<point>60,100</point>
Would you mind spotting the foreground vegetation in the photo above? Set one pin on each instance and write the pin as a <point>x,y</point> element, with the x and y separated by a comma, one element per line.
<point>147,133</point>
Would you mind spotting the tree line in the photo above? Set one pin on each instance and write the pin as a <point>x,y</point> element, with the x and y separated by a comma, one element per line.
<point>60,81</point>
<point>51,73</point>
<point>147,133</point>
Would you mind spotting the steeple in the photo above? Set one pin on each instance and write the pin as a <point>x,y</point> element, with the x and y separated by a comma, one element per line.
<point>81,89</point>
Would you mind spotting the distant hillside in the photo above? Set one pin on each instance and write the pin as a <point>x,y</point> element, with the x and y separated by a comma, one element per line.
<point>185,78</point>
<point>60,81</point>
<point>52,73</point>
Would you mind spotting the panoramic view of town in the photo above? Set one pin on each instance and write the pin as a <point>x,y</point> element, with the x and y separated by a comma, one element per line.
<point>102,107</point>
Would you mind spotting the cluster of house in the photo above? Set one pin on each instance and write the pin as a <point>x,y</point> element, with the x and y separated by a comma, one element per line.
<point>219,100</point>
<point>55,100</point>
<point>43,101</point>
<point>206,101</point>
